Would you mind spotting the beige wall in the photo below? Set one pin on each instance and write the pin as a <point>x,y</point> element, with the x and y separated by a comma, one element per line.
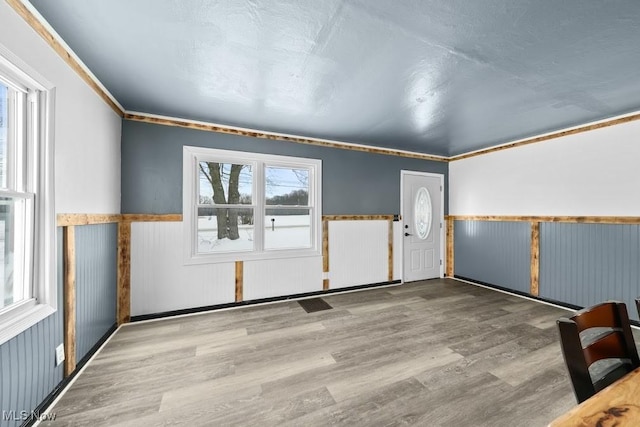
<point>87,130</point>
<point>594,173</point>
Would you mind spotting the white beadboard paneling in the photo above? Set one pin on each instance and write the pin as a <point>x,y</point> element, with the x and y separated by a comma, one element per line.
<point>397,250</point>
<point>278,277</point>
<point>590,173</point>
<point>358,253</point>
<point>159,280</point>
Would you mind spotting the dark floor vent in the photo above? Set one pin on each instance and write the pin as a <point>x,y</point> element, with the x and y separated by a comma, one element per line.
<point>314,304</point>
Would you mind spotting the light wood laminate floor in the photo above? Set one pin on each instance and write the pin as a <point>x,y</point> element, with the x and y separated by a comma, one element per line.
<point>433,353</point>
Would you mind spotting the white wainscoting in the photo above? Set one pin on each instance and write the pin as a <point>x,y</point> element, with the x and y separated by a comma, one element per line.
<point>159,280</point>
<point>278,277</point>
<point>358,253</point>
<point>397,250</point>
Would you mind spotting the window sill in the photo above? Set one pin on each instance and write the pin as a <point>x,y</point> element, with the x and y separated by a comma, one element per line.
<point>16,321</point>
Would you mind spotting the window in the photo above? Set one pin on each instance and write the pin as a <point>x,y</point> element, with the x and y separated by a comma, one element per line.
<point>249,206</point>
<point>27,285</point>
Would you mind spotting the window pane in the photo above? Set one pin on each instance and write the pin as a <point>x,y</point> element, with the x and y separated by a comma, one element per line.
<point>4,123</point>
<point>286,186</point>
<point>225,184</point>
<point>225,230</point>
<point>12,222</point>
<point>287,228</point>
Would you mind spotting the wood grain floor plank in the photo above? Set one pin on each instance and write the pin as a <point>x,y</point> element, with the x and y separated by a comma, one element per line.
<point>276,411</point>
<point>363,409</point>
<point>434,353</point>
<point>201,391</point>
<point>121,361</point>
<point>256,339</point>
<point>102,415</point>
<point>525,368</point>
<point>523,404</point>
<point>471,366</point>
<point>389,373</point>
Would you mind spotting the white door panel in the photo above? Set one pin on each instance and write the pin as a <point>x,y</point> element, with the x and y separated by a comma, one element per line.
<point>422,225</point>
<point>429,258</point>
<point>415,260</point>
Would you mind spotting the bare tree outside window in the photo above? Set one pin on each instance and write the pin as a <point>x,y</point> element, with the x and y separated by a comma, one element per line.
<point>255,205</point>
<point>221,177</point>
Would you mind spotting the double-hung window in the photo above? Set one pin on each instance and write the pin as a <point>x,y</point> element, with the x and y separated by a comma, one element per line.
<point>239,205</point>
<point>27,288</point>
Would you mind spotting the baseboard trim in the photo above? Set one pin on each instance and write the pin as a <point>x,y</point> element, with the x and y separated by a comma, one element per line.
<point>519,293</point>
<point>43,407</point>
<point>196,310</point>
<point>560,304</point>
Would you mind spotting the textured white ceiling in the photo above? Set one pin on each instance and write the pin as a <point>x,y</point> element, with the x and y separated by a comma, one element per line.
<point>432,76</point>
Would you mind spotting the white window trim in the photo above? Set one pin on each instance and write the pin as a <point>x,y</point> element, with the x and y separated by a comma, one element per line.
<point>190,196</point>
<point>19,317</point>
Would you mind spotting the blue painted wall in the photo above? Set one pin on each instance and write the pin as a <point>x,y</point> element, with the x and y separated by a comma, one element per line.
<point>497,253</point>
<point>27,362</point>
<point>584,264</point>
<point>580,264</point>
<point>353,182</point>
<point>96,284</point>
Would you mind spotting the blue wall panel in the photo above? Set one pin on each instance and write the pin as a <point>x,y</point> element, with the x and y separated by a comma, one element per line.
<point>27,362</point>
<point>584,264</point>
<point>96,276</point>
<point>353,182</point>
<point>497,253</point>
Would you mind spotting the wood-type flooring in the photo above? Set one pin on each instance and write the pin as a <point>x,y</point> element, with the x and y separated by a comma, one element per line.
<point>438,353</point>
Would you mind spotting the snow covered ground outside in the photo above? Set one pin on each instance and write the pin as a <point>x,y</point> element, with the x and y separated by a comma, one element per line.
<point>288,231</point>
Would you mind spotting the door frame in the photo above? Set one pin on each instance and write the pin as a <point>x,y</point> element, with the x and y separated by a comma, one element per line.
<point>443,254</point>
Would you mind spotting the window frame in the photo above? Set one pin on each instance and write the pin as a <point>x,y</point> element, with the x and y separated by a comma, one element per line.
<point>36,186</point>
<point>192,156</point>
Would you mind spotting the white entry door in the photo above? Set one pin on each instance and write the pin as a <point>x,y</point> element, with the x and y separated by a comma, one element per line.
<point>422,219</point>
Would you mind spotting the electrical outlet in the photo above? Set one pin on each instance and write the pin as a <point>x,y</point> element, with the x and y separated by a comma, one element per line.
<point>59,354</point>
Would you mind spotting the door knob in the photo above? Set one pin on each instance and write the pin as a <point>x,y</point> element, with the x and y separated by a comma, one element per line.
<point>407,234</point>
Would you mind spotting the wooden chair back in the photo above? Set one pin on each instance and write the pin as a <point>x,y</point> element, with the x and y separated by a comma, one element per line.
<point>594,334</point>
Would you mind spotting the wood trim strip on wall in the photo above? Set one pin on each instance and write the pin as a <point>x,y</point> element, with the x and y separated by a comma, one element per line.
<point>390,250</point>
<point>239,281</point>
<point>357,217</point>
<point>209,127</point>
<point>172,121</point>
<point>124,273</point>
<point>547,137</point>
<point>151,217</point>
<point>535,258</point>
<point>69,290</point>
<point>62,51</point>
<point>567,219</point>
<point>325,253</point>
<point>450,252</point>
<point>88,219</point>
<point>64,220</point>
